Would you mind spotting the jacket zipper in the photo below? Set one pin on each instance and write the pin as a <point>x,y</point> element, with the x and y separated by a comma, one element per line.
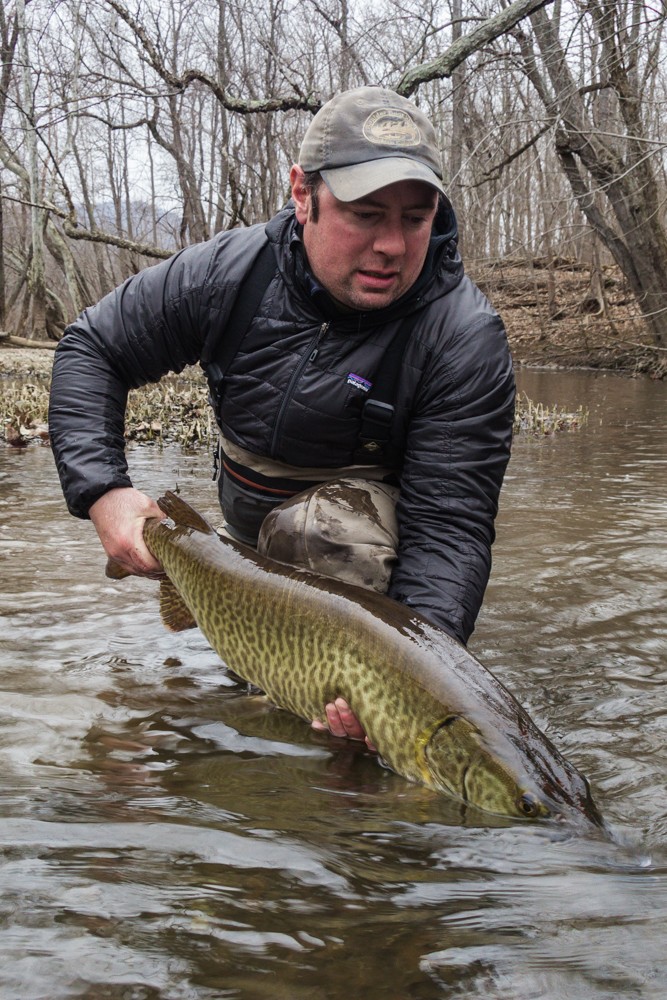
<point>307,357</point>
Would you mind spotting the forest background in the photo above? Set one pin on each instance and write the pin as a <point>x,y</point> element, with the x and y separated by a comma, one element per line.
<point>129,130</point>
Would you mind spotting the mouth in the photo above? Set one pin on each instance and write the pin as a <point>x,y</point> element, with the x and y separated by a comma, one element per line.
<point>379,280</point>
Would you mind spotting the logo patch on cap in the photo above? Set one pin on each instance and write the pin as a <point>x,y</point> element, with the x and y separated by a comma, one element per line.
<point>391,127</point>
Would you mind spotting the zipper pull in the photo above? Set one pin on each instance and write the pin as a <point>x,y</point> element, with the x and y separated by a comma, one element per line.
<point>313,354</point>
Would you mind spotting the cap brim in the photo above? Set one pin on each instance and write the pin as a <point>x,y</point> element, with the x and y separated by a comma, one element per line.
<point>361,179</point>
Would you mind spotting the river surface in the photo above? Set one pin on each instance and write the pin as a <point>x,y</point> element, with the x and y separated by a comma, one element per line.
<point>164,834</point>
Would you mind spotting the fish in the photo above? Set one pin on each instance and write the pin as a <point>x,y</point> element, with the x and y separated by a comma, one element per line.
<point>436,715</point>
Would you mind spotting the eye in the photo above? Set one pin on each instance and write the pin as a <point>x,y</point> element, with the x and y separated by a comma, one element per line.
<point>529,806</point>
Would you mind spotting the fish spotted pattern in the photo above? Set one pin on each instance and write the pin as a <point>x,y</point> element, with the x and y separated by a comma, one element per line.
<point>434,712</point>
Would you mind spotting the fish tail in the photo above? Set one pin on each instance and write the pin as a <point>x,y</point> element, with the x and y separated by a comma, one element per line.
<point>183,514</point>
<point>114,570</point>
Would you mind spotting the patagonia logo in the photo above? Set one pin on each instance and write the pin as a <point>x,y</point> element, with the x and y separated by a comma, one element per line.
<point>358,382</point>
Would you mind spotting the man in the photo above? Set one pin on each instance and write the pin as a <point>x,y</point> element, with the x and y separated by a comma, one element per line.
<point>365,249</point>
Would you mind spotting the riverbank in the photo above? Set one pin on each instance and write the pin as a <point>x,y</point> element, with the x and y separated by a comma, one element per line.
<point>552,321</point>
<point>176,410</point>
<point>555,318</point>
<point>558,318</point>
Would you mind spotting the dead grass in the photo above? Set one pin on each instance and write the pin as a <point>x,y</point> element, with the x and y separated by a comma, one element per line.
<point>549,323</point>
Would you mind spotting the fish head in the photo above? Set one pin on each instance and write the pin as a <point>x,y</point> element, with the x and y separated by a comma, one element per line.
<point>527,784</point>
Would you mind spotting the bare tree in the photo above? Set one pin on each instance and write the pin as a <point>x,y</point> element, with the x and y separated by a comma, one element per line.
<point>597,115</point>
<point>611,158</point>
<point>151,126</point>
<point>8,40</point>
<point>34,314</point>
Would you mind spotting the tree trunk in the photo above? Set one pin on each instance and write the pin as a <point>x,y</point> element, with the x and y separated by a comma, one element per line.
<point>8,39</point>
<point>36,286</point>
<point>633,232</point>
<point>457,139</point>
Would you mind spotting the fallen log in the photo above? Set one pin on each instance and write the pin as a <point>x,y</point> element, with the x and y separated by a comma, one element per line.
<point>9,340</point>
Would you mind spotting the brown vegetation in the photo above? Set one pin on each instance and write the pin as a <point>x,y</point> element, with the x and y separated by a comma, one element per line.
<point>549,318</point>
<point>559,316</point>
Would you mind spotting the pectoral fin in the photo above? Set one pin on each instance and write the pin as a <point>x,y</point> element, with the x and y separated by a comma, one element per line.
<point>175,614</point>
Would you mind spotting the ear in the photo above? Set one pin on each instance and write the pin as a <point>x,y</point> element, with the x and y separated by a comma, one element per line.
<point>300,195</point>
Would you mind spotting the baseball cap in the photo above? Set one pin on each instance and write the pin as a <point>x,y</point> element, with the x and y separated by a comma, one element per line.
<point>363,139</point>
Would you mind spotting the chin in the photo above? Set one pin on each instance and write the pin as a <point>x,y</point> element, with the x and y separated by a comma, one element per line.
<point>366,300</point>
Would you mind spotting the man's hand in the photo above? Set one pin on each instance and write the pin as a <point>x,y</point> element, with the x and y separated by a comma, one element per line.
<point>341,721</point>
<point>119,517</point>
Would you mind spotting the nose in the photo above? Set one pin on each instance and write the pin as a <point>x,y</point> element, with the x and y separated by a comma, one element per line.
<point>390,239</point>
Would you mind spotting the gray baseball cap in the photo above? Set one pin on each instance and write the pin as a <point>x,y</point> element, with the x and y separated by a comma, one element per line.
<point>363,139</point>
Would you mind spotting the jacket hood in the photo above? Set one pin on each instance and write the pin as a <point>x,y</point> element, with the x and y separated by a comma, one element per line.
<point>442,271</point>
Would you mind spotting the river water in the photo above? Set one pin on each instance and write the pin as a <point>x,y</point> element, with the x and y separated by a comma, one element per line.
<point>165,834</point>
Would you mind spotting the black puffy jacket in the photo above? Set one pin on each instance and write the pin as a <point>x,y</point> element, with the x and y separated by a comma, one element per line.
<point>284,399</point>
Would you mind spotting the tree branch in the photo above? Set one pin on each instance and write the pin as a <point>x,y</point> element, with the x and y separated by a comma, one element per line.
<point>76,232</point>
<point>495,173</point>
<point>182,81</point>
<point>463,47</point>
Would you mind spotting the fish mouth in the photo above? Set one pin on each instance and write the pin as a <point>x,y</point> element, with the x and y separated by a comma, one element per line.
<point>570,799</point>
<point>581,813</point>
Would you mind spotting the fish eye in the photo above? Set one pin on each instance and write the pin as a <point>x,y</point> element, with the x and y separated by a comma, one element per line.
<point>529,805</point>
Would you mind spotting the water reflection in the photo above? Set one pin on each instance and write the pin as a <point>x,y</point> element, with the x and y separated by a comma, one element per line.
<point>167,835</point>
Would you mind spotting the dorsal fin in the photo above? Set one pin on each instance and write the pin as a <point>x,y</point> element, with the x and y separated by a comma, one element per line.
<point>175,614</point>
<point>183,514</point>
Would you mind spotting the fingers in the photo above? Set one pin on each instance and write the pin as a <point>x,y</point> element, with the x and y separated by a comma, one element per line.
<point>342,722</point>
<point>119,517</point>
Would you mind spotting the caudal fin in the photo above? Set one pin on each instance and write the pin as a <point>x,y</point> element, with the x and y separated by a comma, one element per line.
<point>115,571</point>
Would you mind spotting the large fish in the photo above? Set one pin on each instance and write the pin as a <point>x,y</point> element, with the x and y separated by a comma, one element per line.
<point>435,714</point>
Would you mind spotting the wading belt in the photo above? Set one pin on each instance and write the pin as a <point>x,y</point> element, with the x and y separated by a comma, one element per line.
<point>268,487</point>
<point>378,410</point>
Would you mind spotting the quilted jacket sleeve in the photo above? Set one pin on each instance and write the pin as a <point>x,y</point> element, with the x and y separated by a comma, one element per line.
<point>158,321</point>
<point>458,446</point>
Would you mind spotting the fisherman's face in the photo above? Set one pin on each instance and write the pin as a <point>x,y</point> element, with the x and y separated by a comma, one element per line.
<point>366,253</point>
